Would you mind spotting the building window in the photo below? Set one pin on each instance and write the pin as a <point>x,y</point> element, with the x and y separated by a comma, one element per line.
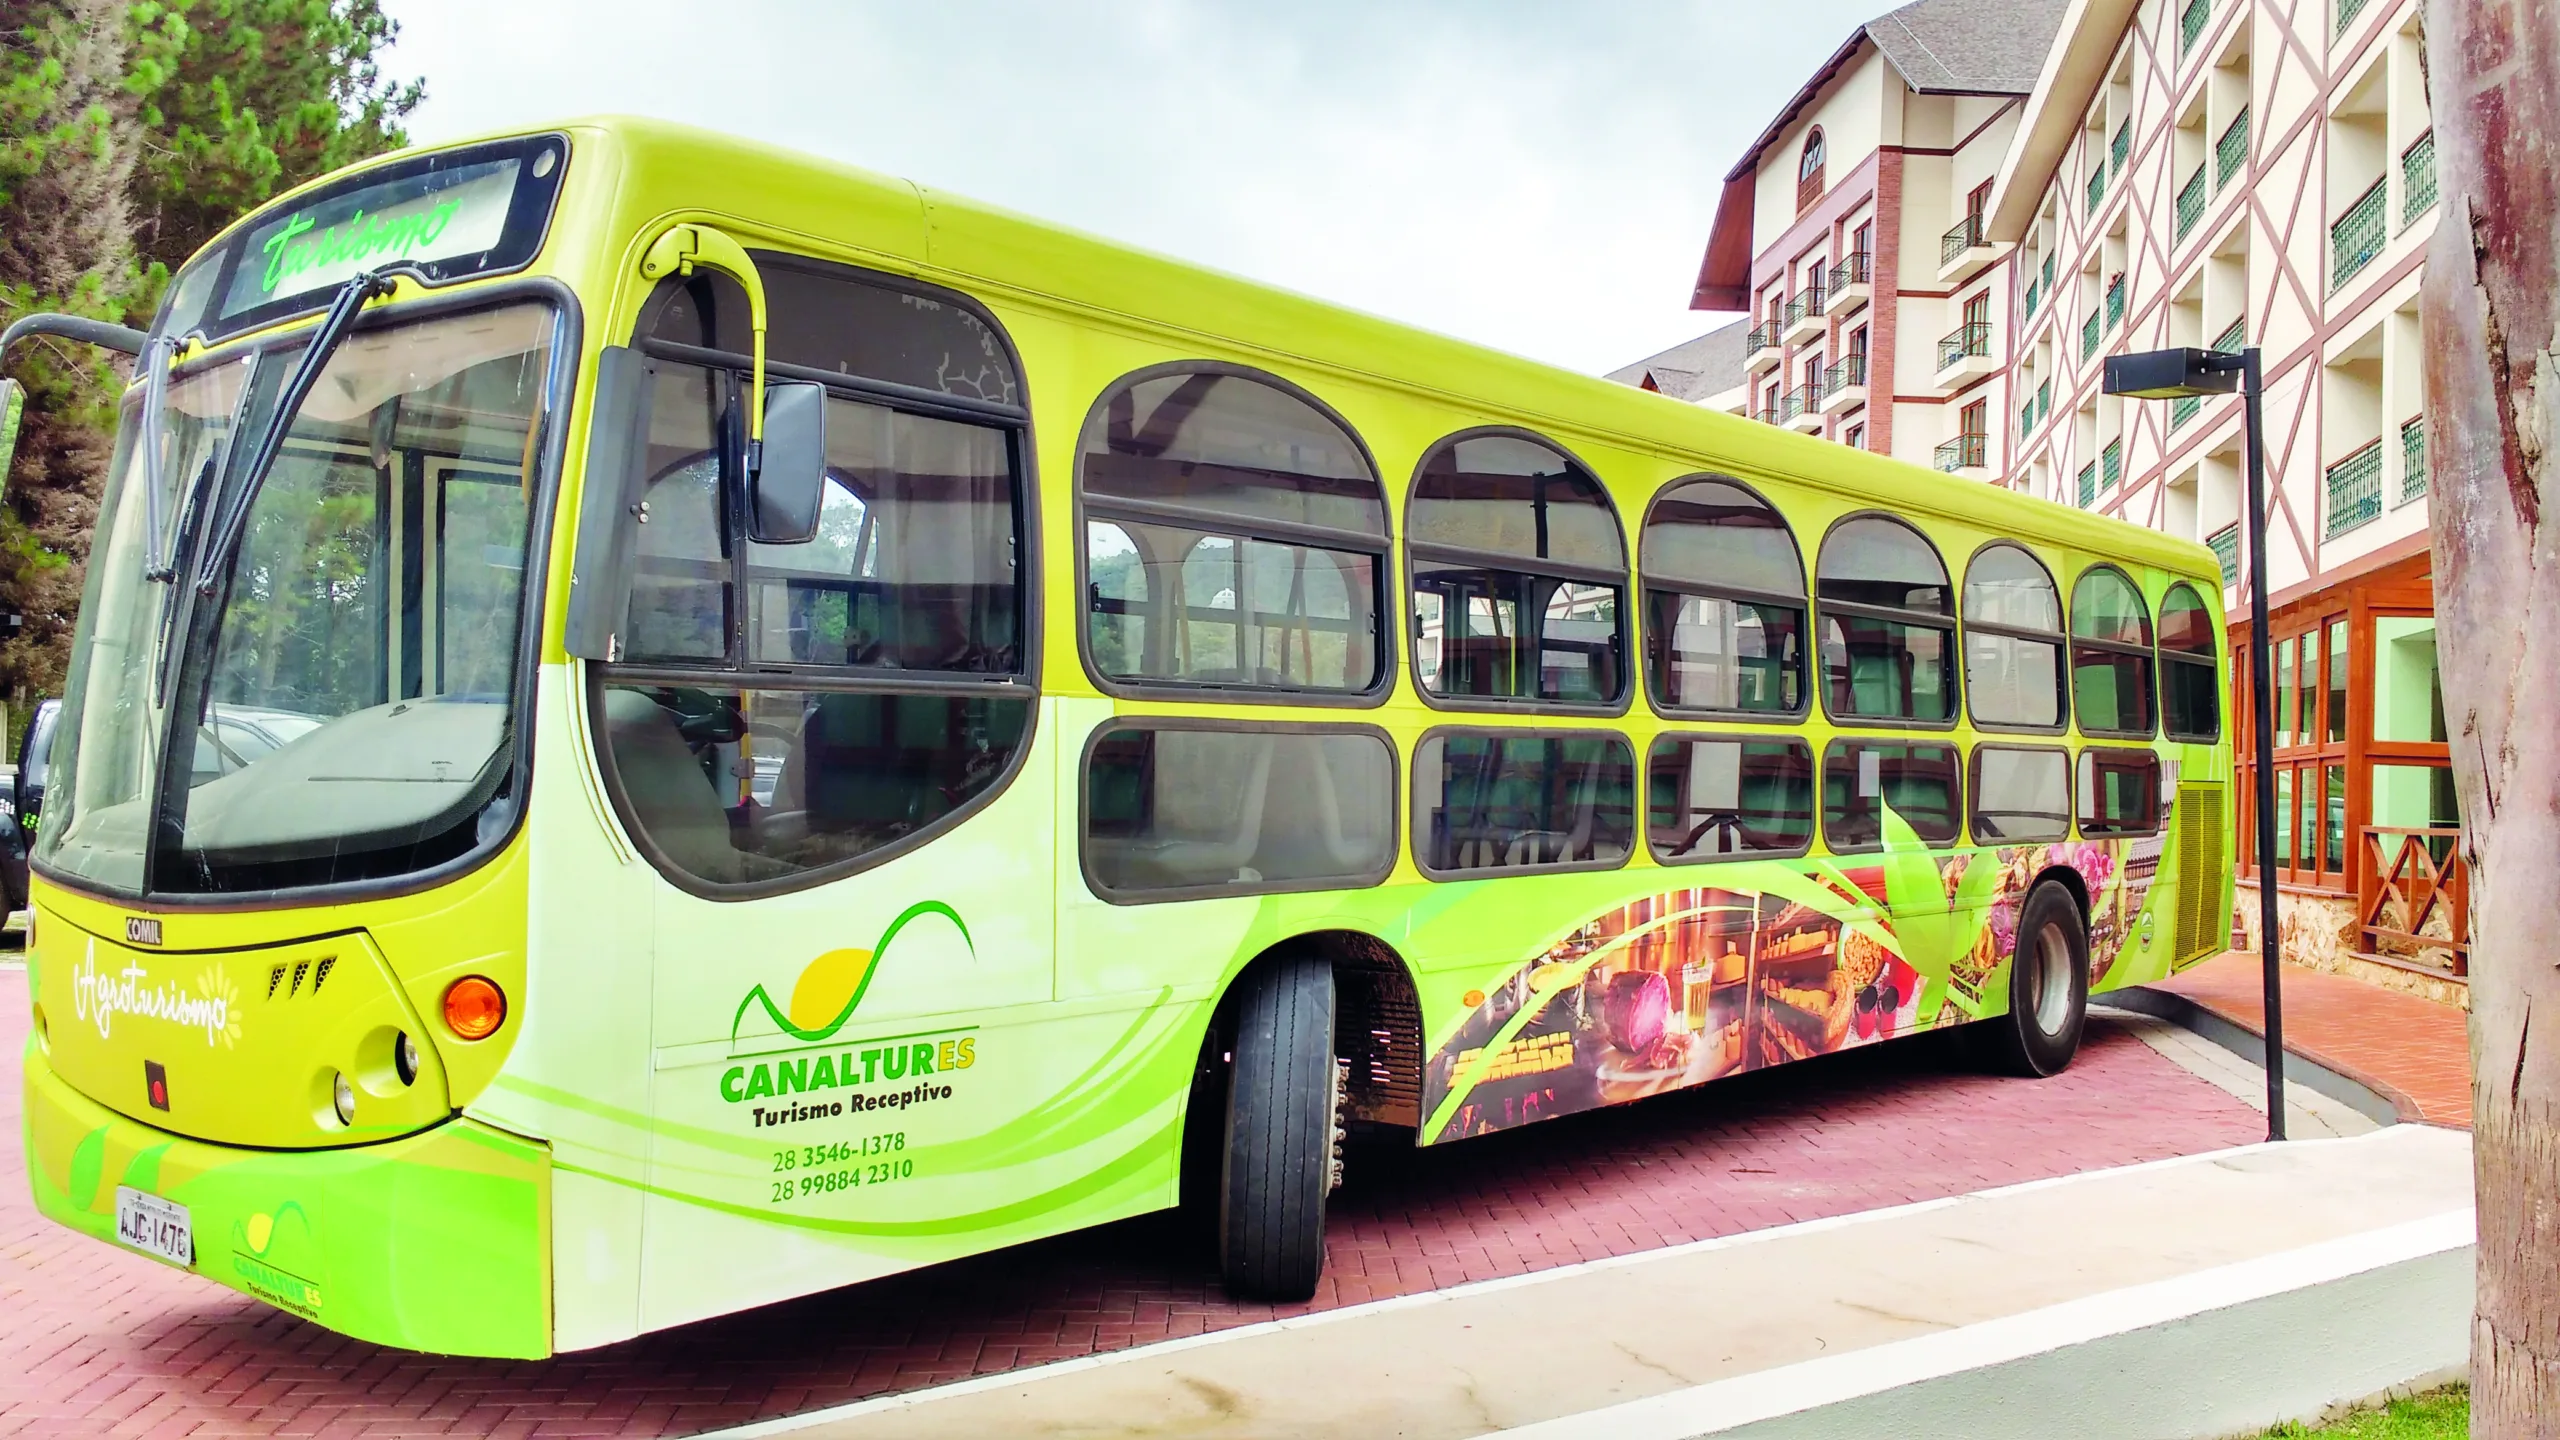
<point>1235,536</point>
<point>1856,439</point>
<point>1519,576</point>
<point>1724,602</point>
<point>1809,165</point>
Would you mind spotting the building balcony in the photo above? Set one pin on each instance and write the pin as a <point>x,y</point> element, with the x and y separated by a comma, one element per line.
<point>2225,545</point>
<point>1760,348</point>
<point>2111,465</point>
<point>2348,10</point>
<point>1963,251</point>
<point>2230,340</point>
<point>2120,149</point>
<point>2089,333</point>
<point>1804,322</point>
<point>2357,237</point>
<point>1851,285</point>
<point>2088,485</point>
<point>2413,459</point>
<point>1965,353</point>
<point>2417,179</point>
<point>2354,495</point>
<point>2191,198</point>
<point>1803,409</point>
<point>2231,152</point>
<point>1844,386</point>
<point>2191,23</point>
<point>1966,455</point>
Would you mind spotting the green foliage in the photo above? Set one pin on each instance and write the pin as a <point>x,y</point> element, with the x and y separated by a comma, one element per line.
<point>2437,1415</point>
<point>130,132</point>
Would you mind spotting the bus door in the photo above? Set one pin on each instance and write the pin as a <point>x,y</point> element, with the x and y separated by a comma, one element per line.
<point>823,749</point>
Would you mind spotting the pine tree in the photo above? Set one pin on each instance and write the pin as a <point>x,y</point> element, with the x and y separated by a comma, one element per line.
<point>132,131</point>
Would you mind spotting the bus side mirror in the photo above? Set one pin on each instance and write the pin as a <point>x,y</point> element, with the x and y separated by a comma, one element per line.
<point>790,468</point>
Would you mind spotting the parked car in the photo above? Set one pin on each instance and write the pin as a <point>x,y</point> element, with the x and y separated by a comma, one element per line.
<point>26,802</point>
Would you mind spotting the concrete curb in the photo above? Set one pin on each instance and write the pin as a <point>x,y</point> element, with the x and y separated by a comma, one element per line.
<point>2375,1099</point>
<point>2219,1353</point>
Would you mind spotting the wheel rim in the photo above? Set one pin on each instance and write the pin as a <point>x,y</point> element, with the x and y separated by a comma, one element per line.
<point>2049,980</point>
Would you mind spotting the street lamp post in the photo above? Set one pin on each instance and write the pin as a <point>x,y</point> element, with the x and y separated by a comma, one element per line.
<point>2179,374</point>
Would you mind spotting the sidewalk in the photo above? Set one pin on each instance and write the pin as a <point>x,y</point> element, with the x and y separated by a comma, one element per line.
<point>2208,1295</point>
<point>2414,1052</point>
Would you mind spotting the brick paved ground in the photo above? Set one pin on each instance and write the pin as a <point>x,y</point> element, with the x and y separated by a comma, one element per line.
<point>95,1341</point>
<point>2416,1052</point>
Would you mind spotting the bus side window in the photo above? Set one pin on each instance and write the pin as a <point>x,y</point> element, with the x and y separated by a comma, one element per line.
<point>2012,641</point>
<point>1522,800</point>
<point>1862,779</point>
<point>1711,799</point>
<point>786,712</point>
<point>2020,795</point>
<point>2110,655</point>
<point>1235,536</point>
<point>1724,602</point>
<point>2190,683</point>
<point>2119,791</point>
<point>1888,624</point>
<point>1173,810</point>
<point>1519,576</point>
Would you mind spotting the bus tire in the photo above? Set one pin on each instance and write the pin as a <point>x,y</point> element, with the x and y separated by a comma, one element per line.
<point>2048,987</point>
<point>1283,1092</point>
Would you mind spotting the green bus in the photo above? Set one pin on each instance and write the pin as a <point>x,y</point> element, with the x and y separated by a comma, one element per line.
<point>660,725</point>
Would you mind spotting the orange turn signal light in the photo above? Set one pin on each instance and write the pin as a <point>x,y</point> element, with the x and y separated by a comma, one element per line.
<point>474,1007</point>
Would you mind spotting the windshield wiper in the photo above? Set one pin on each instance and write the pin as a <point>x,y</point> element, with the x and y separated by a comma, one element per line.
<point>333,328</point>
<point>156,353</point>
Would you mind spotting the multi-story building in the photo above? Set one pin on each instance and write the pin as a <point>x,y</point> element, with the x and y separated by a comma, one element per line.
<point>2221,173</point>
<point>2068,180</point>
<point>1854,233</point>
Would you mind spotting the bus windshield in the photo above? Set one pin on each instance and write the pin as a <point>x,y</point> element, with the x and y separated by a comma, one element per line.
<point>339,703</point>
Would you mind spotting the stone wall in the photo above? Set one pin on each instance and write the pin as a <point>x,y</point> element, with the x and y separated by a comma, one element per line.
<point>2318,932</point>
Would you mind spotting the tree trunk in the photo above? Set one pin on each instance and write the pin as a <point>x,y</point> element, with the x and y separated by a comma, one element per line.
<point>2492,302</point>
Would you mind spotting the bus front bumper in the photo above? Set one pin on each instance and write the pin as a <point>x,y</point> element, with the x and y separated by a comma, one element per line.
<point>439,1241</point>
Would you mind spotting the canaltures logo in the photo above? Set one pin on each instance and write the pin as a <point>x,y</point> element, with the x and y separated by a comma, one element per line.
<point>831,988</point>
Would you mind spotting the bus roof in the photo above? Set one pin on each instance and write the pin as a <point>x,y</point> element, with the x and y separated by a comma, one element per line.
<point>669,168</point>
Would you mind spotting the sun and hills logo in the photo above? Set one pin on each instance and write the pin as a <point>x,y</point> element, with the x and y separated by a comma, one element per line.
<point>823,1000</point>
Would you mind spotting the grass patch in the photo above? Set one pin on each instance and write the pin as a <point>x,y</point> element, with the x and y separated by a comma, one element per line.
<point>2437,1415</point>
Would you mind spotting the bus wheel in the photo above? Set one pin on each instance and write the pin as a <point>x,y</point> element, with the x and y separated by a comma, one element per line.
<point>2048,987</point>
<point>1283,1094</point>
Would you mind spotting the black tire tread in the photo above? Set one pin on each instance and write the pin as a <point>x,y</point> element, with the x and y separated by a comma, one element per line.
<point>2016,1046</point>
<point>1278,1154</point>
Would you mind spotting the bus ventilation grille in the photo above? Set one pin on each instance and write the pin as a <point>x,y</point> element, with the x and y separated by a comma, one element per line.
<point>2203,863</point>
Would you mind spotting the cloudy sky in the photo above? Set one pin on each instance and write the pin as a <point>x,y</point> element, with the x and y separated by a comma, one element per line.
<point>1534,176</point>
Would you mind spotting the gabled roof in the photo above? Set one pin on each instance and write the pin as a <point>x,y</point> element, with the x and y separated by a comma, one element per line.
<point>1937,47</point>
<point>1692,370</point>
<point>2074,68</point>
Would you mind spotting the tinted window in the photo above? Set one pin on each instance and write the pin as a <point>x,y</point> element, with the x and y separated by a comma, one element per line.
<point>2012,641</point>
<point>1888,627</point>
<point>2020,795</point>
<point>1708,798</point>
<point>1862,779</point>
<point>1179,810</point>
<point>2119,792</point>
<point>828,320</point>
<point>1235,535</point>
<point>1523,801</point>
<point>2190,674</point>
<point>785,710</point>
<point>2110,654</point>
<point>1518,576</point>
<point>1724,596</point>
<point>736,786</point>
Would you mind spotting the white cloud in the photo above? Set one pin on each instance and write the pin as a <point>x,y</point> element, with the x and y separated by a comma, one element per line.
<point>1535,177</point>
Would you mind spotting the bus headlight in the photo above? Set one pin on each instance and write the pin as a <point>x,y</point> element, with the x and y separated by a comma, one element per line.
<point>404,1058</point>
<point>343,1093</point>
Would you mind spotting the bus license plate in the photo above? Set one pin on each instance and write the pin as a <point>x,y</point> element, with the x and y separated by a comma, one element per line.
<point>155,1226</point>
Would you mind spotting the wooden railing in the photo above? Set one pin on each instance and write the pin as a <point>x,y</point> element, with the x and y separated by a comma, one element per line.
<point>2414,909</point>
